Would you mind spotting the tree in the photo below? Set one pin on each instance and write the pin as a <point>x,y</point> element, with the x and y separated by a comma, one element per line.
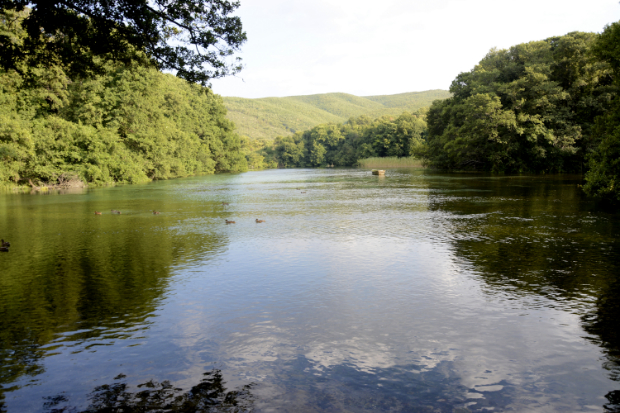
<point>194,38</point>
<point>530,108</point>
<point>603,177</point>
<point>358,138</point>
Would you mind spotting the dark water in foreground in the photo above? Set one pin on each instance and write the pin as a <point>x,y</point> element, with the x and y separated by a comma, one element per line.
<point>413,292</point>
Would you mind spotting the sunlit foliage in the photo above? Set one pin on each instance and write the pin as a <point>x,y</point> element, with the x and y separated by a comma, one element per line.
<point>344,144</point>
<point>284,116</point>
<point>530,108</point>
<point>131,124</point>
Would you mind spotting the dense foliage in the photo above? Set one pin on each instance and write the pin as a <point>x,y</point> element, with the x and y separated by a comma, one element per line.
<point>530,108</point>
<point>344,144</point>
<point>270,117</point>
<point>603,178</point>
<point>193,38</point>
<point>130,124</point>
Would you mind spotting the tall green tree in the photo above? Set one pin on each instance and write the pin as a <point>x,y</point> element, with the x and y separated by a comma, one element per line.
<point>527,108</point>
<point>344,144</point>
<point>195,39</point>
<point>129,124</point>
<point>603,177</point>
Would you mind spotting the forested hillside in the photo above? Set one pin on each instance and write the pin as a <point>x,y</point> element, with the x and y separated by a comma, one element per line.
<point>540,107</point>
<point>271,117</point>
<point>130,124</point>
<point>530,108</point>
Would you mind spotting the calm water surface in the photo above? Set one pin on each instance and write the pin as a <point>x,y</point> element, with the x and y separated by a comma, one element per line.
<point>415,292</point>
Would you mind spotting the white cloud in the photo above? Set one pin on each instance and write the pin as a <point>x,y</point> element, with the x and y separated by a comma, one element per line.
<point>393,46</point>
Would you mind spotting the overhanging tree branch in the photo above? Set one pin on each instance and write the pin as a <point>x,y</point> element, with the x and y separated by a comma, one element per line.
<point>174,35</point>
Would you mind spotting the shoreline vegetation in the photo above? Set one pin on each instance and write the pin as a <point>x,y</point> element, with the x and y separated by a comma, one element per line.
<point>543,107</point>
<point>549,106</point>
<point>390,162</point>
<point>128,124</point>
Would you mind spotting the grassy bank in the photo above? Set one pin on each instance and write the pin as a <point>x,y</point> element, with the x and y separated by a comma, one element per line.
<point>390,162</point>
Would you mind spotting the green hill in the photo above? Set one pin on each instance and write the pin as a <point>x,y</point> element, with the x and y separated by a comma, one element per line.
<point>271,117</point>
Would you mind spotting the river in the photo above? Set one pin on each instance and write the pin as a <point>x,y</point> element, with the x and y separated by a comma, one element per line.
<point>417,291</point>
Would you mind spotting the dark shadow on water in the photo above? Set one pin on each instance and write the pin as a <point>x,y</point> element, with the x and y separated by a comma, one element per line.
<point>210,395</point>
<point>74,279</point>
<point>614,402</point>
<point>604,324</point>
<point>300,388</point>
<point>533,236</point>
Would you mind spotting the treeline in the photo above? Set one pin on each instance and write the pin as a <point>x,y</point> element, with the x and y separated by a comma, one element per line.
<point>541,107</point>
<point>344,144</point>
<point>129,124</point>
<point>549,106</point>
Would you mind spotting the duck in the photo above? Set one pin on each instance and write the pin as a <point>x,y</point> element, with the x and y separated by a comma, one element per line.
<point>258,221</point>
<point>5,243</point>
<point>225,203</point>
<point>155,212</point>
<point>230,222</point>
<point>4,249</point>
<point>303,192</point>
<point>116,211</point>
<point>97,213</point>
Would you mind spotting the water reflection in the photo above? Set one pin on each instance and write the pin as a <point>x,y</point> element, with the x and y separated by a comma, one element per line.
<point>75,282</point>
<point>539,237</point>
<point>604,324</point>
<point>210,395</point>
<point>415,292</point>
<point>402,388</point>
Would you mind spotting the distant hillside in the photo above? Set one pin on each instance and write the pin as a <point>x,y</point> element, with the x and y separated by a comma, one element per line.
<point>271,117</point>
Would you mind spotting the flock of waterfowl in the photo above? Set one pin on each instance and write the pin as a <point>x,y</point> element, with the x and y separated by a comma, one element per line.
<point>117,212</point>
<point>258,221</point>
<point>5,245</point>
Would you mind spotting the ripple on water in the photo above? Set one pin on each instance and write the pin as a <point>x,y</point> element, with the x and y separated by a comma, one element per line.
<point>415,291</point>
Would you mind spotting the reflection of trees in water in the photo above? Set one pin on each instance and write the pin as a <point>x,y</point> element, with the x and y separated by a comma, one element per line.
<point>210,395</point>
<point>605,324</point>
<point>613,405</point>
<point>99,279</point>
<point>539,239</point>
<point>300,387</point>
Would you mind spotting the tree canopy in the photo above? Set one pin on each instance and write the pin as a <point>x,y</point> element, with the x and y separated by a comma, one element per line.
<point>530,108</point>
<point>603,176</point>
<point>344,144</point>
<point>194,38</point>
<point>130,124</point>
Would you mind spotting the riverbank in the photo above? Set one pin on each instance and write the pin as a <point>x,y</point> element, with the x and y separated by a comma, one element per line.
<point>391,162</point>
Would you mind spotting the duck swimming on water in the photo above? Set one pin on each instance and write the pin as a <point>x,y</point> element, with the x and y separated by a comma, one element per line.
<point>97,213</point>
<point>258,221</point>
<point>116,211</point>
<point>230,222</point>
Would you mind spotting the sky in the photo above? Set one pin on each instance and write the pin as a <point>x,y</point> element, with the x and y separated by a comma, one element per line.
<point>366,48</point>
